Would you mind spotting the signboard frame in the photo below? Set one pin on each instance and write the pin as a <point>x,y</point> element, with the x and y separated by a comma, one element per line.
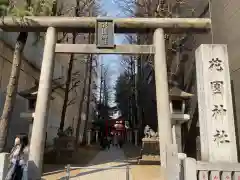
<point>109,34</point>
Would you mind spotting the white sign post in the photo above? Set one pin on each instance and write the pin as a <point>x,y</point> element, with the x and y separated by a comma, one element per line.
<point>216,120</point>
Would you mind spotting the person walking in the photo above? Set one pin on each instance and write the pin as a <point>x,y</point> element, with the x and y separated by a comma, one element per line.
<point>120,141</point>
<point>108,141</point>
<point>18,159</point>
<point>115,141</point>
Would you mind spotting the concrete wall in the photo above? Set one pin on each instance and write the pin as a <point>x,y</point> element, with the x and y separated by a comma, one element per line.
<point>67,9</point>
<point>30,73</point>
<point>225,16</point>
<point>27,79</point>
<point>225,21</point>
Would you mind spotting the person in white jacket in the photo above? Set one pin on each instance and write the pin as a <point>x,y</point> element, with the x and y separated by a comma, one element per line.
<point>18,159</point>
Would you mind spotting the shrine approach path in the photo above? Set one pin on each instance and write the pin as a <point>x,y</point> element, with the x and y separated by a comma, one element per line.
<point>108,165</point>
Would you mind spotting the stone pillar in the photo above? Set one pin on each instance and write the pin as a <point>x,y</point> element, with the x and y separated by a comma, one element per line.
<point>162,95</point>
<point>30,130</point>
<point>216,120</point>
<point>89,135</point>
<point>198,145</point>
<point>127,137</point>
<point>42,106</point>
<point>97,133</point>
<point>4,164</point>
<point>136,137</point>
<point>174,134</point>
<point>178,133</point>
<point>130,136</point>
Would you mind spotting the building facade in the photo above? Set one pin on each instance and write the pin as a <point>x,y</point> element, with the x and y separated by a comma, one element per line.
<point>29,78</point>
<point>224,15</point>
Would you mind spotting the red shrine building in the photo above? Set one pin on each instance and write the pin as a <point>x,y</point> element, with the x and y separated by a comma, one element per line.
<point>116,126</point>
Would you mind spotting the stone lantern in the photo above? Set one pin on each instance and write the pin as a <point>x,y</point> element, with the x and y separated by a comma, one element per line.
<point>177,108</point>
<point>31,96</point>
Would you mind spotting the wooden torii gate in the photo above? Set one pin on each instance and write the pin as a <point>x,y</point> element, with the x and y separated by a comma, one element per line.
<point>105,45</point>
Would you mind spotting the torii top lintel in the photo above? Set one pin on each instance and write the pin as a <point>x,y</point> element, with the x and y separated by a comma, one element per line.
<point>88,24</point>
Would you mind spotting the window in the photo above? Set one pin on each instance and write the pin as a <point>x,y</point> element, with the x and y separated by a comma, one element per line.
<point>177,105</point>
<point>32,104</point>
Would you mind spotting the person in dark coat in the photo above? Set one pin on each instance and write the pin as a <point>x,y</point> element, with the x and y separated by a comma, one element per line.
<point>104,143</point>
<point>120,141</point>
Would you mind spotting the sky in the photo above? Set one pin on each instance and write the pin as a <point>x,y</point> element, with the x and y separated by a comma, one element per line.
<point>112,61</point>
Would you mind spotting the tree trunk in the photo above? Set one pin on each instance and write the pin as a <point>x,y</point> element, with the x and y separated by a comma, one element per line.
<point>12,89</point>
<point>88,95</point>
<point>132,86</point>
<point>69,74</point>
<point>140,95</point>
<point>67,87</point>
<point>90,40</point>
<point>81,104</point>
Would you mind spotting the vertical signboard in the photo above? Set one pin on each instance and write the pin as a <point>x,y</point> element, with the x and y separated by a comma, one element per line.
<point>105,33</point>
<point>216,120</point>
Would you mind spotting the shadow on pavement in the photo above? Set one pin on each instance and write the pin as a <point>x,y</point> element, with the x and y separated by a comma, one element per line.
<point>94,171</point>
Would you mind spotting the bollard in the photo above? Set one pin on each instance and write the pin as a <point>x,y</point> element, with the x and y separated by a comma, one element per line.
<point>127,172</point>
<point>68,172</point>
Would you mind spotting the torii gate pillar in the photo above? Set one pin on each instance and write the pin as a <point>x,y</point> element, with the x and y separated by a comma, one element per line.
<point>42,107</point>
<point>162,95</point>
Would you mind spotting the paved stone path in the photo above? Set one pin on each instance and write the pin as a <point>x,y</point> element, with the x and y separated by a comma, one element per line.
<point>107,165</point>
<point>110,159</point>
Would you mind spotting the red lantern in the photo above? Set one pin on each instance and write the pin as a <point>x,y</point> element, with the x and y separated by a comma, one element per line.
<point>118,126</point>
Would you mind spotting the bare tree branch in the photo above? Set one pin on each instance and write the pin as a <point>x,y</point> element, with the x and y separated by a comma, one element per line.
<point>76,84</point>
<point>71,102</point>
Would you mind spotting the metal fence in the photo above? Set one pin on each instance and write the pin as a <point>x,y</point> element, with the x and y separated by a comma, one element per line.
<point>113,173</point>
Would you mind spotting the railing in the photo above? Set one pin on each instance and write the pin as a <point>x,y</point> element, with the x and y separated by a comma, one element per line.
<point>99,172</point>
<point>198,170</point>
